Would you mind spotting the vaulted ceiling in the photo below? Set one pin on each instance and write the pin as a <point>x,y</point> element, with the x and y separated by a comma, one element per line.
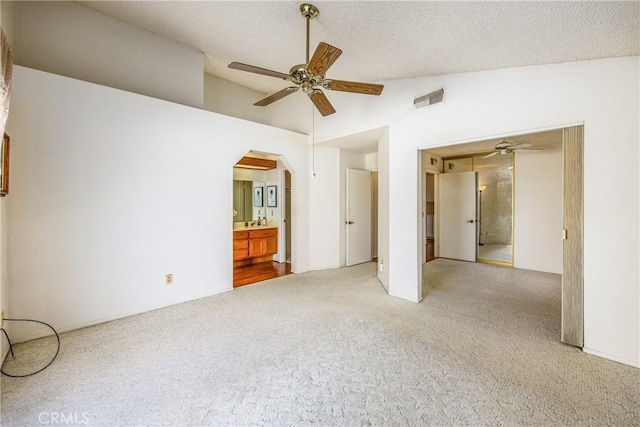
<point>385,40</point>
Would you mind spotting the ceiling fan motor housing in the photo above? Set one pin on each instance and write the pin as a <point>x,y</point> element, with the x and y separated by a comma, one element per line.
<point>503,145</point>
<point>306,80</point>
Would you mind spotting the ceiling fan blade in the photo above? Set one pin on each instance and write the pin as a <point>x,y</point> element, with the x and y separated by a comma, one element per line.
<point>321,102</point>
<point>323,58</point>
<point>528,149</point>
<point>276,96</point>
<point>491,155</point>
<point>519,146</point>
<point>258,70</point>
<point>355,87</point>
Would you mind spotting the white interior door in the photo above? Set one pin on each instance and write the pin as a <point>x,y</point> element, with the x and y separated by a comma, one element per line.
<point>457,197</point>
<point>358,216</point>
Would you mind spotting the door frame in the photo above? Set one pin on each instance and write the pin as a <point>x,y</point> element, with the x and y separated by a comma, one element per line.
<point>423,219</point>
<point>282,226</point>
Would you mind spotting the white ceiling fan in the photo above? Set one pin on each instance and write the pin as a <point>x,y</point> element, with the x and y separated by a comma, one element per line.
<point>505,147</point>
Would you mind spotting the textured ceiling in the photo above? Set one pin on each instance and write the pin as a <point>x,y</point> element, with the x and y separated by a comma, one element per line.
<point>389,40</point>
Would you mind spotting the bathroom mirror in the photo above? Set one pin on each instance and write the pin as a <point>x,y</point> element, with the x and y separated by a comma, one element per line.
<point>495,208</point>
<point>243,203</point>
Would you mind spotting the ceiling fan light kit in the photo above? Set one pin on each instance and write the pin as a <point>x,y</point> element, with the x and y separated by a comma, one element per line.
<point>310,77</point>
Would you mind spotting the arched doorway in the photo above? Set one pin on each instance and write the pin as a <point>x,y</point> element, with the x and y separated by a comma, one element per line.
<point>261,218</point>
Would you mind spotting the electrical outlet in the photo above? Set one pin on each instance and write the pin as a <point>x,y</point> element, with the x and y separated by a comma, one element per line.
<point>381,266</point>
<point>169,279</point>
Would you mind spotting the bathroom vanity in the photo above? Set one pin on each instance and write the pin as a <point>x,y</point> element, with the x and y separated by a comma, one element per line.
<point>254,244</point>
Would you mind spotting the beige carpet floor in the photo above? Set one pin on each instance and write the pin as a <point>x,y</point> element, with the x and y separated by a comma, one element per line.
<point>331,348</point>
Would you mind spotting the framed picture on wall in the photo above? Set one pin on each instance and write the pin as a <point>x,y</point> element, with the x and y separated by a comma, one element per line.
<point>272,196</point>
<point>4,165</point>
<point>258,198</point>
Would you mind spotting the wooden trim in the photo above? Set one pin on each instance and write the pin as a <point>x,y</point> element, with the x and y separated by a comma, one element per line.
<point>572,329</point>
<point>492,262</point>
<point>253,162</point>
<point>251,261</point>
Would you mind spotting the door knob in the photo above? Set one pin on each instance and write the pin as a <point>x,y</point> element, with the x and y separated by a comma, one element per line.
<point>349,222</point>
<point>470,221</point>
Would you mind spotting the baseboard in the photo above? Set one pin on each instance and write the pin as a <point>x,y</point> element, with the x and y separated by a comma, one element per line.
<point>404,297</point>
<point>326,267</point>
<point>6,353</point>
<point>624,361</point>
<point>120,316</point>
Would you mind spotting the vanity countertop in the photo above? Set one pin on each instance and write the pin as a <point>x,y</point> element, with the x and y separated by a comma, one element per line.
<point>241,227</point>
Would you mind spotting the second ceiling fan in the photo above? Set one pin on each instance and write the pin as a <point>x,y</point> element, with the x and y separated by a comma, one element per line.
<point>310,77</point>
<point>505,147</point>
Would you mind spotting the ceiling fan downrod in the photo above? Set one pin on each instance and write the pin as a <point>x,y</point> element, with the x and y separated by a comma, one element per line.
<point>309,12</point>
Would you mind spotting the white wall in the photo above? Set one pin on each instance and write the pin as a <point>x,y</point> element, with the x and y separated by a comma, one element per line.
<point>383,209</point>
<point>348,160</point>
<point>69,39</point>
<point>437,167</point>
<point>604,95</point>
<point>324,207</point>
<point>538,210</point>
<point>225,97</point>
<point>273,178</point>
<point>355,113</point>
<point>113,190</point>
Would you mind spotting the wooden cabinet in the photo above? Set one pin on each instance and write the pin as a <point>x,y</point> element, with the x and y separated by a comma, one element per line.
<point>257,247</point>
<point>240,245</point>
<point>253,246</point>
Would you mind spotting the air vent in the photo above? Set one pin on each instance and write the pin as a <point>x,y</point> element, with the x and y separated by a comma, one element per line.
<point>429,99</point>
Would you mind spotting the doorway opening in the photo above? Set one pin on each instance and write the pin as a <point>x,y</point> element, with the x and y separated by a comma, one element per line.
<point>535,205</point>
<point>261,219</point>
<point>491,185</point>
